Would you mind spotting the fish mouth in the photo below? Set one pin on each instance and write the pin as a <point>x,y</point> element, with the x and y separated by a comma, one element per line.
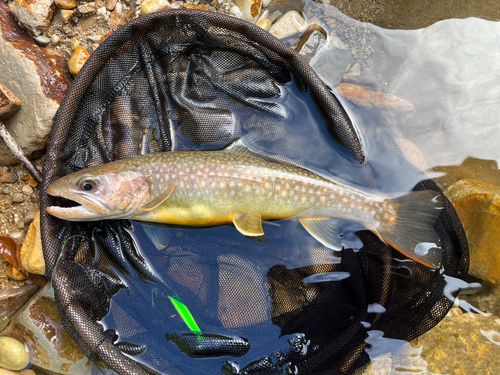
<point>87,210</point>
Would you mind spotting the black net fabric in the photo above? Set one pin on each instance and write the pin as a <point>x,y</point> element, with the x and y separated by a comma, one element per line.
<point>194,80</point>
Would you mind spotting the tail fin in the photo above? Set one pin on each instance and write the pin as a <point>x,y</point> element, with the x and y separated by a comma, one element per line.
<point>407,225</point>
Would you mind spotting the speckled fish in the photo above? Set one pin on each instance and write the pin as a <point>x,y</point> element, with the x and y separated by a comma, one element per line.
<point>235,185</point>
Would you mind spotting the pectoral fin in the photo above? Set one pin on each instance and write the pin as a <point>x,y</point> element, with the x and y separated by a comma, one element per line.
<point>249,224</point>
<point>158,200</point>
<point>325,230</point>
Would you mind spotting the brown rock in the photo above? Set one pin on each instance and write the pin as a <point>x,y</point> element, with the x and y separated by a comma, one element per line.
<point>462,345</point>
<point>310,41</point>
<point>196,6</point>
<point>368,97</point>
<point>110,4</point>
<point>264,24</point>
<point>39,77</point>
<point>34,16</point>
<point>31,252</point>
<point>412,153</point>
<point>77,59</point>
<point>117,19</point>
<point>150,6</point>
<point>9,103</point>
<point>478,206</point>
<point>66,4</point>
<point>14,273</point>
<point>9,177</point>
<point>12,300</point>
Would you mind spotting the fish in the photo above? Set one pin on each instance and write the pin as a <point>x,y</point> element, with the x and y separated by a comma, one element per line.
<point>240,187</point>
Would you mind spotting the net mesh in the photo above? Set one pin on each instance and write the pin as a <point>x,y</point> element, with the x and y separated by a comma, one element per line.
<point>189,79</point>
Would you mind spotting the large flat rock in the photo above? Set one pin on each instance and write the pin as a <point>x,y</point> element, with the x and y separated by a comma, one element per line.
<point>39,77</point>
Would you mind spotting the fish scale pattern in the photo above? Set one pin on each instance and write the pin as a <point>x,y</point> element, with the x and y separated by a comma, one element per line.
<point>195,80</point>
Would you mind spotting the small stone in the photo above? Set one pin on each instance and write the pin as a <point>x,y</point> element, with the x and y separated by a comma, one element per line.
<point>9,104</point>
<point>13,354</point>
<point>14,273</point>
<point>250,9</point>
<point>412,153</point>
<point>150,6</point>
<point>102,11</point>
<point>18,198</point>
<point>264,24</point>
<point>31,181</point>
<point>66,15</point>
<point>27,190</point>
<point>77,59</point>
<point>273,17</point>
<point>175,5</point>
<point>87,8</point>
<point>9,177</point>
<point>66,4</point>
<point>110,4</point>
<point>42,39</point>
<point>336,42</point>
<point>55,39</point>
<point>196,6</point>
<point>119,8</point>
<point>75,44</point>
<point>17,235</point>
<point>291,23</point>
<point>368,97</point>
<point>31,252</point>
<point>236,11</point>
<point>353,73</point>
<point>131,13</point>
<point>94,38</point>
<point>310,41</point>
<point>117,19</point>
<point>7,191</point>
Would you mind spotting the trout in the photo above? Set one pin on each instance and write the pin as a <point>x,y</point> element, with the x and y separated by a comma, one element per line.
<point>239,187</point>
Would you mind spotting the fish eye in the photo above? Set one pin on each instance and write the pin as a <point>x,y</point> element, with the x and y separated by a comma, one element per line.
<point>87,185</point>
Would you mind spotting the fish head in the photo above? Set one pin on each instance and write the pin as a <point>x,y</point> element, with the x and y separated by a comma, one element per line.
<point>103,192</point>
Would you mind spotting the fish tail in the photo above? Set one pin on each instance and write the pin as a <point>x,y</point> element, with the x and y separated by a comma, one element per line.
<point>407,225</point>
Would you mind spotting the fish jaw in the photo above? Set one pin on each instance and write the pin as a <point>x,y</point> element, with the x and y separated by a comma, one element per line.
<point>78,213</point>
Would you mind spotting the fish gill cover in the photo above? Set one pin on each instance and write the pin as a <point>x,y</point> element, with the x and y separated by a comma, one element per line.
<point>145,299</point>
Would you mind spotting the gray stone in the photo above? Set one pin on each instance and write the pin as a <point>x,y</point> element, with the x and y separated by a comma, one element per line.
<point>42,39</point>
<point>17,198</point>
<point>39,77</point>
<point>27,190</point>
<point>35,15</point>
<point>9,177</point>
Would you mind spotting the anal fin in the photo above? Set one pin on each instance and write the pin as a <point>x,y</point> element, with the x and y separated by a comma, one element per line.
<point>249,224</point>
<point>158,200</point>
<point>325,230</point>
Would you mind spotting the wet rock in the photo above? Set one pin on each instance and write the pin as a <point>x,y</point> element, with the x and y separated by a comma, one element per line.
<point>42,39</point>
<point>87,8</point>
<point>35,15</point>
<point>177,5</point>
<point>27,190</point>
<point>236,11</point>
<point>310,41</point>
<point>77,59</point>
<point>412,153</point>
<point>31,252</point>
<point>38,326</point>
<point>9,103</point>
<point>13,354</point>
<point>250,9</point>
<point>18,198</point>
<point>196,6</point>
<point>12,300</point>
<point>368,97</point>
<point>66,4</point>
<point>264,24</point>
<point>66,15</point>
<point>330,64</point>
<point>464,344</point>
<point>353,73</point>
<point>14,273</point>
<point>291,23</point>
<point>38,77</point>
<point>150,6</point>
<point>478,206</point>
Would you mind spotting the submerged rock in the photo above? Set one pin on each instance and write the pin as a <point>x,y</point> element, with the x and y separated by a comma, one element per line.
<point>38,326</point>
<point>463,344</point>
<point>39,77</point>
<point>478,206</point>
<point>310,41</point>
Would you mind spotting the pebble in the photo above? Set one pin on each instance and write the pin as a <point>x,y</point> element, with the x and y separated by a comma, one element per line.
<point>66,4</point>
<point>27,190</point>
<point>264,24</point>
<point>18,198</point>
<point>353,73</point>
<point>7,191</point>
<point>14,273</point>
<point>9,177</point>
<point>117,19</point>
<point>196,6</point>
<point>175,5</point>
<point>250,9</point>
<point>87,8</point>
<point>42,39</point>
<point>119,7</point>
<point>77,59</point>
<point>291,23</point>
<point>110,4</point>
<point>75,44</point>
<point>13,354</point>
<point>66,15</point>
<point>235,11</point>
<point>54,40</point>
<point>150,6</point>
